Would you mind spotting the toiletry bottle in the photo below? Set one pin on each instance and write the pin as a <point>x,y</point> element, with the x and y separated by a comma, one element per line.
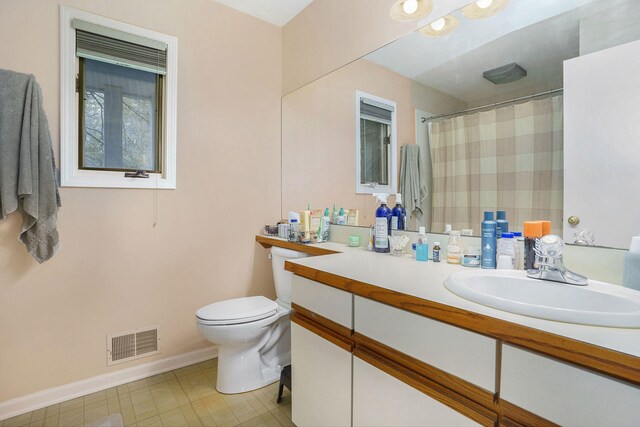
<point>454,248</point>
<point>342,218</point>
<point>488,241</point>
<point>352,217</point>
<point>532,232</point>
<point>436,251</point>
<point>447,228</point>
<point>631,272</point>
<point>324,226</point>
<point>507,252</point>
<point>398,214</point>
<point>422,246</point>
<point>334,215</point>
<point>383,225</point>
<point>372,233</point>
<point>294,230</point>
<point>520,243</point>
<point>502,223</point>
<point>546,227</point>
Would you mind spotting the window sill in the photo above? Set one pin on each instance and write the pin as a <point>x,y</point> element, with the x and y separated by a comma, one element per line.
<point>99,179</point>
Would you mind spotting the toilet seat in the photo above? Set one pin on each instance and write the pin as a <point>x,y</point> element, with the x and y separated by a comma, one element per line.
<point>236,311</point>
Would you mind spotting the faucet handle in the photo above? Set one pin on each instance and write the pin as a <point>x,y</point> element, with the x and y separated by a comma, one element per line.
<point>549,246</point>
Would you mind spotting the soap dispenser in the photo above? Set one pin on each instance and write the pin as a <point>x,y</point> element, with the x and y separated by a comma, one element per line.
<point>631,275</point>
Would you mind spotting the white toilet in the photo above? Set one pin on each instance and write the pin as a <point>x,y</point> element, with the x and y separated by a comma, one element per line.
<point>252,333</point>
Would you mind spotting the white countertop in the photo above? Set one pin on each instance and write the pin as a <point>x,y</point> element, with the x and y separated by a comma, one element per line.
<point>426,280</point>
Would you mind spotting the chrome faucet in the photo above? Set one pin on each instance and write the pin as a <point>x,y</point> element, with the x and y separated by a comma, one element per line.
<point>549,263</point>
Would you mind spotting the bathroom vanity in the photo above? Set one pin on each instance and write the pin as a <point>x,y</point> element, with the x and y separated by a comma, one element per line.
<point>378,340</point>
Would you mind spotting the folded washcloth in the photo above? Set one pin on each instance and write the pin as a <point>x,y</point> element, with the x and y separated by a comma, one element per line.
<point>27,164</point>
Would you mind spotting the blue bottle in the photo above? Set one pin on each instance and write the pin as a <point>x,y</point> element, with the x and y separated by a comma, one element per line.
<point>383,225</point>
<point>503,224</point>
<point>398,215</point>
<point>422,247</point>
<point>489,240</point>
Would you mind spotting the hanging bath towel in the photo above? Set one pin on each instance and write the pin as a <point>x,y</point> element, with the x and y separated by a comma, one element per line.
<point>413,184</point>
<point>27,168</point>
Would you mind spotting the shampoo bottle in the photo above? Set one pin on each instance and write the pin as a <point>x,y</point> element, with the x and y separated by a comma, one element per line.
<point>489,240</point>
<point>631,275</point>
<point>502,223</point>
<point>398,214</point>
<point>342,218</point>
<point>383,225</point>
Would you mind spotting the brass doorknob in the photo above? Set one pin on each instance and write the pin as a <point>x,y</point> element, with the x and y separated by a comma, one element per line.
<point>574,220</point>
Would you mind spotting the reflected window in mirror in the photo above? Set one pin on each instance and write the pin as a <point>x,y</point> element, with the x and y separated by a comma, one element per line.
<point>375,144</point>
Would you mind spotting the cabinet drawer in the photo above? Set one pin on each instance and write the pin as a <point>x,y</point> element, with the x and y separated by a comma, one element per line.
<point>564,393</point>
<point>379,399</point>
<point>465,354</point>
<point>321,378</point>
<point>332,303</point>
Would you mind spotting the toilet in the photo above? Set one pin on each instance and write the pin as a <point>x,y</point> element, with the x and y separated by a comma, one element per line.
<point>253,333</point>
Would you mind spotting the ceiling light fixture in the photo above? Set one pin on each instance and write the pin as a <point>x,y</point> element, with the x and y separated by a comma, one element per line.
<point>481,9</point>
<point>410,10</point>
<point>440,27</point>
<point>505,74</point>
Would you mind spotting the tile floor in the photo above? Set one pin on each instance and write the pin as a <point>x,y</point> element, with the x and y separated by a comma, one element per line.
<point>184,397</point>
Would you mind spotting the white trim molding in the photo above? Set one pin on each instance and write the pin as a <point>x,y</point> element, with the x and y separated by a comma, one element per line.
<point>392,187</point>
<point>51,396</point>
<point>71,175</point>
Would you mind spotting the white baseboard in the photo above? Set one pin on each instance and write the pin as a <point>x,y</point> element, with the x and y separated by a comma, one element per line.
<point>53,395</point>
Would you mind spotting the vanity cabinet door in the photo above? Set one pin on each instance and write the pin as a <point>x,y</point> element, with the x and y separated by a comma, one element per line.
<point>321,379</point>
<point>380,399</point>
<point>564,393</point>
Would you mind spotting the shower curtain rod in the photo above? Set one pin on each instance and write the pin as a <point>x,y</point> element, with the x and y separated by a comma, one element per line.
<point>535,95</point>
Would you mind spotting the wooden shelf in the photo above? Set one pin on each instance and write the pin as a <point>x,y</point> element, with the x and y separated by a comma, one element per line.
<point>267,242</point>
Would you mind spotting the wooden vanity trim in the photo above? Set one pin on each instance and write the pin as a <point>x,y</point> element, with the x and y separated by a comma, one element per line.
<point>466,389</point>
<point>267,242</point>
<point>620,365</point>
<point>432,389</point>
<point>514,416</point>
<point>322,331</point>
<point>323,321</point>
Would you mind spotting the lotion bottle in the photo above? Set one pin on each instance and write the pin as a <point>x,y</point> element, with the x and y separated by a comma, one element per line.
<point>383,225</point>
<point>422,246</point>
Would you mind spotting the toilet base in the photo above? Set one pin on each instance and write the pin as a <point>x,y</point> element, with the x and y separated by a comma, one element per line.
<point>247,372</point>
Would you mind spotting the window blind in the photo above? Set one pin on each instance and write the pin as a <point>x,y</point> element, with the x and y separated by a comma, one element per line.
<point>118,47</point>
<point>375,109</point>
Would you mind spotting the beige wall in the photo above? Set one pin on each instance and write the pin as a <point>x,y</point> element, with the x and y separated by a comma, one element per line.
<point>328,34</point>
<point>115,270</point>
<point>318,134</point>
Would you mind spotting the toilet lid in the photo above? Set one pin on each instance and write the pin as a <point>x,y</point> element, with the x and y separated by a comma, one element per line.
<point>238,310</point>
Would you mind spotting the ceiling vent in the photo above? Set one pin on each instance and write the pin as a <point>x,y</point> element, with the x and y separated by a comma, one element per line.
<point>131,345</point>
<point>505,74</point>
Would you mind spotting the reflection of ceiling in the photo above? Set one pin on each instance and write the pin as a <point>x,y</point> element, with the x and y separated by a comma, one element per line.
<point>276,12</point>
<point>556,40</point>
<point>537,34</point>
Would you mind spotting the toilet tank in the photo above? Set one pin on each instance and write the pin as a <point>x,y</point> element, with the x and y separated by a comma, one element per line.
<point>281,277</point>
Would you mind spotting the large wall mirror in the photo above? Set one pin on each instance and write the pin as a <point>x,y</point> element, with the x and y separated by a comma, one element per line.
<point>532,110</point>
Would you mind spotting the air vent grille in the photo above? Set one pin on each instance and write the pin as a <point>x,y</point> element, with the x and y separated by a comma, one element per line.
<point>131,345</point>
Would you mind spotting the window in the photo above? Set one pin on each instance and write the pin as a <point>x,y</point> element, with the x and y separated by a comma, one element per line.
<point>375,144</point>
<point>119,114</point>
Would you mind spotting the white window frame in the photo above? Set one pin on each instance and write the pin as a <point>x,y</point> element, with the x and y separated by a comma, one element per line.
<point>392,187</point>
<point>71,174</point>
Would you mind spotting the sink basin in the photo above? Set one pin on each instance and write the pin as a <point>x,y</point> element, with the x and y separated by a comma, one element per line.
<point>598,303</point>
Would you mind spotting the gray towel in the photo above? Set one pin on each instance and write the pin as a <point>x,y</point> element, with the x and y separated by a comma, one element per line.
<point>413,184</point>
<point>27,168</point>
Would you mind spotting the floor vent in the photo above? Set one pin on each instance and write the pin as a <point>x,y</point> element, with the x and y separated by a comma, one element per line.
<point>131,345</point>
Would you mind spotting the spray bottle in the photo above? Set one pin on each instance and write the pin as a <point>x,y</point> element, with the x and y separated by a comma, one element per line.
<point>398,214</point>
<point>383,224</point>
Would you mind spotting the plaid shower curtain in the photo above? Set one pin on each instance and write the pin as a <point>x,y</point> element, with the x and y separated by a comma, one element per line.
<point>508,158</point>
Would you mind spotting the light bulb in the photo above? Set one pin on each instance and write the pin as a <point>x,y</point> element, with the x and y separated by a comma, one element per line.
<point>438,24</point>
<point>483,4</point>
<point>410,6</point>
